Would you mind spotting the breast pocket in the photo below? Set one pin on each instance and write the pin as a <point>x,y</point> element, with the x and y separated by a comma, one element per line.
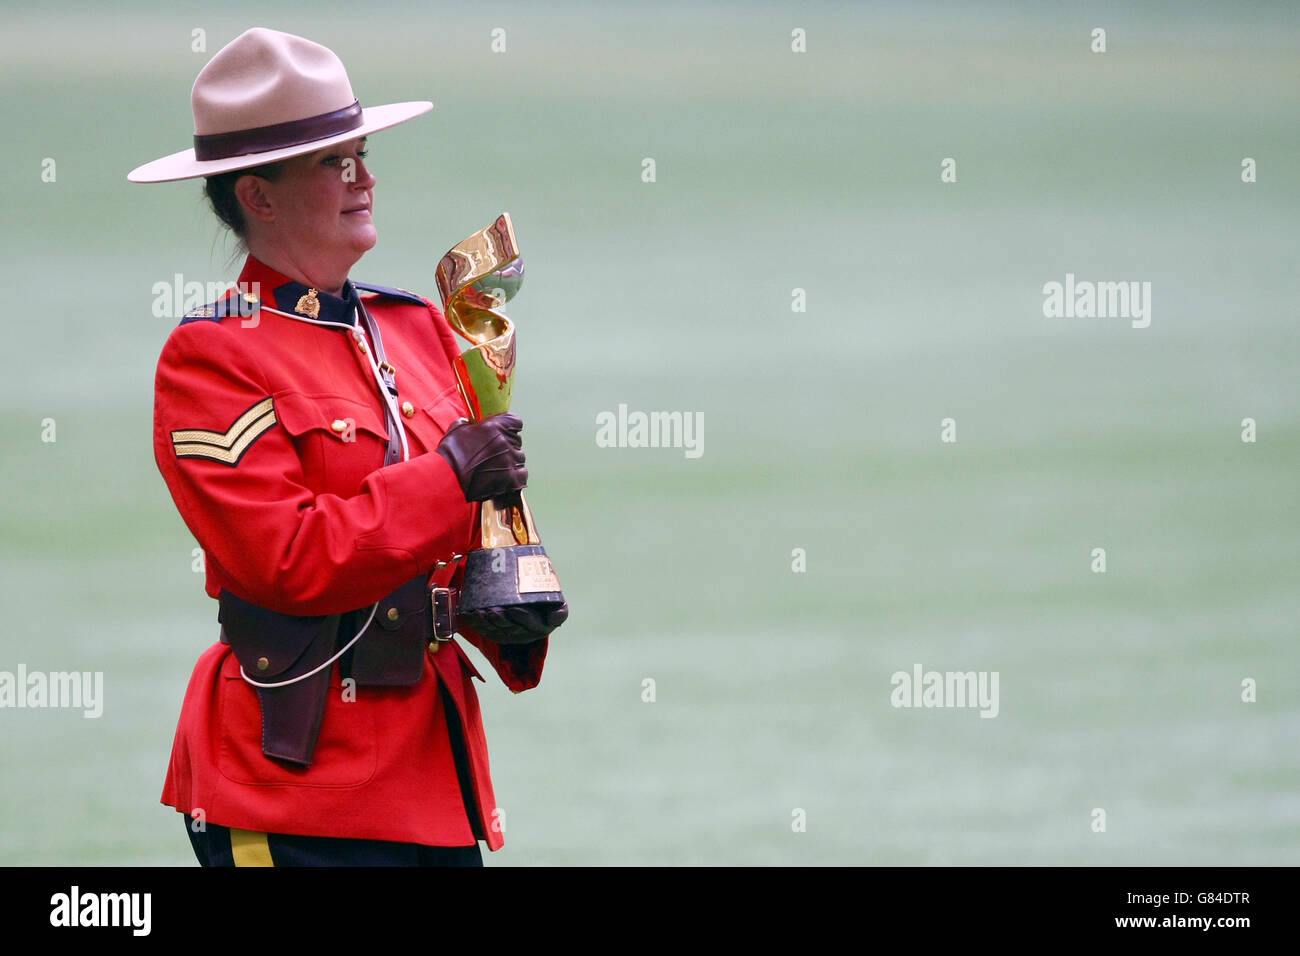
<point>431,420</point>
<point>340,440</point>
<point>446,408</point>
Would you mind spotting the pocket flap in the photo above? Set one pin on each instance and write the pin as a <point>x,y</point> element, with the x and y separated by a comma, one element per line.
<point>446,408</point>
<point>411,598</point>
<point>300,413</point>
<point>257,634</point>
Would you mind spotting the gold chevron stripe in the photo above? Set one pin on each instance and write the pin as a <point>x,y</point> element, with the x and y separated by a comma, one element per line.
<point>231,455</point>
<point>231,434</point>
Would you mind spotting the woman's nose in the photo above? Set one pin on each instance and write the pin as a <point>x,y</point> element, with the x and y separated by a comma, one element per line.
<point>365,179</point>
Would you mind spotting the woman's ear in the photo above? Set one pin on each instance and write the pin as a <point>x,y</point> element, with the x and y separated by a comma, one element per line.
<point>252,195</point>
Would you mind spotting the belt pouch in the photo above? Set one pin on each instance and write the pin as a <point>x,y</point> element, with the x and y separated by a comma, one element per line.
<point>274,647</point>
<point>391,652</point>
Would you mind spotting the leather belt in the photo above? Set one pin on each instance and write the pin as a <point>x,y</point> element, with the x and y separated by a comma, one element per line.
<point>286,655</point>
<point>441,614</point>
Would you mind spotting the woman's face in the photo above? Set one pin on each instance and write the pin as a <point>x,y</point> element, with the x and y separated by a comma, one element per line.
<point>317,213</point>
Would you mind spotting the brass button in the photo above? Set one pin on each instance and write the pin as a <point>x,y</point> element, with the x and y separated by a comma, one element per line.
<point>408,409</point>
<point>440,565</point>
<point>362,346</point>
<point>263,663</point>
<point>393,614</point>
<point>250,298</point>
<point>433,647</point>
<point>339,425</point>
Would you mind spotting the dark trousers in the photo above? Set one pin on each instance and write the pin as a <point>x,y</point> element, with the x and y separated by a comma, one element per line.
<point>221,846</point>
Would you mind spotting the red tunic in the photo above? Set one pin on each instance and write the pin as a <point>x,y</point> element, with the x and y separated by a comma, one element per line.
<point>270,434</point>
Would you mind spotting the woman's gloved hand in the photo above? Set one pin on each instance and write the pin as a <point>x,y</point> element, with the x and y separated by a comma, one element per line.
<point>521,624</point>
<point>487,456</point>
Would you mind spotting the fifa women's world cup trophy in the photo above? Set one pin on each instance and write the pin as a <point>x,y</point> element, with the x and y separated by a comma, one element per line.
<point>475,279</point>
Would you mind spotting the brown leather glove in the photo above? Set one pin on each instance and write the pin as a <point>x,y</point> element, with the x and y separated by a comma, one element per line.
<point>487,456</point>
<point>521,624</point>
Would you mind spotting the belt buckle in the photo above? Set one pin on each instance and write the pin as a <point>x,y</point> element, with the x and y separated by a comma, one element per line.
<point>443,604</point>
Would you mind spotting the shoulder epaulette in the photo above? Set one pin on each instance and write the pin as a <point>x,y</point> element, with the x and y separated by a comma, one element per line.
<point>241,305</point>
<point>394,293</point>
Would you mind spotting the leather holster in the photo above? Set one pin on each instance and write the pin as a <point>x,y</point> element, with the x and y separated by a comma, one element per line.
<point>273,648</point>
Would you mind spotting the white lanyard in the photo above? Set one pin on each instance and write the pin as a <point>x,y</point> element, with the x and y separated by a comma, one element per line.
<point>391,402</point>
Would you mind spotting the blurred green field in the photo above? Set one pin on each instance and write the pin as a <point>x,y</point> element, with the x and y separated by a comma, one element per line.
<point>775,171</point>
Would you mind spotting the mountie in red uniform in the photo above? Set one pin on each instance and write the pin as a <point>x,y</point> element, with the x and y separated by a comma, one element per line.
<point>269,430</point>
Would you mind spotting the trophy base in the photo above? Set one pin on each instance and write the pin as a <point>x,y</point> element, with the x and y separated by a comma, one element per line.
<point>509,577</point>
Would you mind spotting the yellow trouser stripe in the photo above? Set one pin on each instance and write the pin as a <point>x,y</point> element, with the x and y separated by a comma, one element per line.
<point>250,848</point>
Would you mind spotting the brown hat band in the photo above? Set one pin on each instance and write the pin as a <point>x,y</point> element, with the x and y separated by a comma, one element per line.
<point>260,139</point>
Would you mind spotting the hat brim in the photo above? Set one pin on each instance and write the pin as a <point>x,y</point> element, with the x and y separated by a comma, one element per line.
<point>183,165</point>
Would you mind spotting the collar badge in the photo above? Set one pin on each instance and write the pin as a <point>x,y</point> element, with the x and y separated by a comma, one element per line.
<point>308,305</point>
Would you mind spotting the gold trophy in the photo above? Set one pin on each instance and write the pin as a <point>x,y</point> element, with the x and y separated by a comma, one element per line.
<point>475,279</point>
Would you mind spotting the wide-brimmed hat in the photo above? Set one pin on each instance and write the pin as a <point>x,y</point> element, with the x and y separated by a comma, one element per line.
<point>267,96</point>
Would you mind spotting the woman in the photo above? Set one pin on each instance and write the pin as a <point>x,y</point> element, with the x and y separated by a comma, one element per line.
<point>311,433</point>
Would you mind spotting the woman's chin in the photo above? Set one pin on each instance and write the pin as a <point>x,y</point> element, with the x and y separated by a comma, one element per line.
<point>362,237</point>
